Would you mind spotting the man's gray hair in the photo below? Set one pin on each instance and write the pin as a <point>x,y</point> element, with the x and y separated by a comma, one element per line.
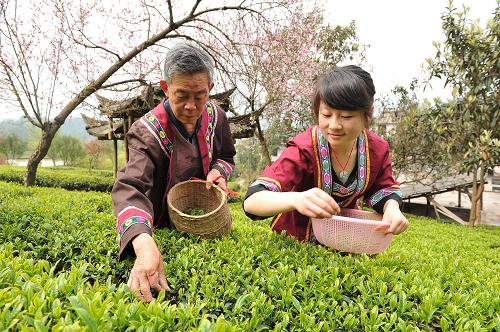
<point>185,58</point>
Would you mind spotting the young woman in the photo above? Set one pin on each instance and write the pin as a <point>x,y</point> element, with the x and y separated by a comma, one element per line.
<point>330,165</point>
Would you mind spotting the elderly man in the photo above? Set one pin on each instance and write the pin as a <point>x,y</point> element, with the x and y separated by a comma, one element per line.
<point>185,136</point>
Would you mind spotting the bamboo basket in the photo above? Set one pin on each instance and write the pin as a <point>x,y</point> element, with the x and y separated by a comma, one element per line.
<point>193,194</point>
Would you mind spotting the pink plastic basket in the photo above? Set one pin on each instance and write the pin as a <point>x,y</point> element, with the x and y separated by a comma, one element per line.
<point>352,231</point>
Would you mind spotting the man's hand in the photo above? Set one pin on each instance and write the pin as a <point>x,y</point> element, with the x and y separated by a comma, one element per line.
<point>214,177</point>
<point>394,217</point>
<point>148,271</point>
<point>315,203</point>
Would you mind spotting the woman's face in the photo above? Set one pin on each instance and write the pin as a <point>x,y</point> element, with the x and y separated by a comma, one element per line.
<point>340,127</point>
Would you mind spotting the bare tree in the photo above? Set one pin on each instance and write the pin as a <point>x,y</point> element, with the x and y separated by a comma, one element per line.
<point>58,53</point>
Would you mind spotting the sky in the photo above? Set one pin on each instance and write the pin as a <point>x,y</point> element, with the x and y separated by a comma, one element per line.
<point>400,34</point>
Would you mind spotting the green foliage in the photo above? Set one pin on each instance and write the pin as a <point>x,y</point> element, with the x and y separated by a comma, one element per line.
<point>414,127</point>
<point>64,177</point>
<point>249,161</point>
<point>468,61</point>
<point>12,146</point>
<point>58,271</point>
<point>66,148</point>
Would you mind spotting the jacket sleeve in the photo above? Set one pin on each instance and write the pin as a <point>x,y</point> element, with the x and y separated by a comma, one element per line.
<point>224,161</point>
<point>131,194</point>
<point>286,174</point>
<point>384,187</point>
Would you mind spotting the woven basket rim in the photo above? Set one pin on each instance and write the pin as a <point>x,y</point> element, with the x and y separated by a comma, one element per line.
<point>354,220</point>
<point>169,202</point>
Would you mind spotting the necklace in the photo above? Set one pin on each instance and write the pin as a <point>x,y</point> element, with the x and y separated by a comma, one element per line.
<point>343,175</point>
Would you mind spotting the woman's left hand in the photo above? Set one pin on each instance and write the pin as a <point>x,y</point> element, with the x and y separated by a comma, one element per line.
<point>394,217</point>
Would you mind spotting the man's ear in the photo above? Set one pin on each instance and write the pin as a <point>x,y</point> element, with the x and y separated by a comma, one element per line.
<point>210,86</point>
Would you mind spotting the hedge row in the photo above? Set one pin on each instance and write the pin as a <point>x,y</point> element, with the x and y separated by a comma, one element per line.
<point>58,270</point>
<point>72,178</point>
<point>62,177</point>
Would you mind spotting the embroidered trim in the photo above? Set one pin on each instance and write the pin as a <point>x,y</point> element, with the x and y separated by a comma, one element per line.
<point>363,167</point>
<point>341,191</point>
<point>160,132</point>
<point>225,166</point>
<point>132,208</point>
<point>265,178</point>
<point>130,212</point>
<point>269,185</point>
<point>316,154</point>
<point>379,195</point>
<point>212,123</point>
<point>366,153</point>
<point>152,131</point>
<point>275,220</point>
<point>325,163</point>
<point>132,221</point>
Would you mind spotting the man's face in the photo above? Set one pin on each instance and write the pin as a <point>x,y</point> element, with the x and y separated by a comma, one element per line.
<point>188,94</point>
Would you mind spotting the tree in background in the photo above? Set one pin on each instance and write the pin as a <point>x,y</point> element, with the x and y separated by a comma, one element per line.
<point>406,123</point>
<point>52,57</point>
<point>94,149</point>
<point>469,61</point>
<point>275,71</point>
<point>12,147</point>
<point>66,148</point>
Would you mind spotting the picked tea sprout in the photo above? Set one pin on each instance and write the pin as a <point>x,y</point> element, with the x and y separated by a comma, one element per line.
<point>194,211</point>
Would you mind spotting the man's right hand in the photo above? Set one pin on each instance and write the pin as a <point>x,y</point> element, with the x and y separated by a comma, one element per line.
<point>148,271</point>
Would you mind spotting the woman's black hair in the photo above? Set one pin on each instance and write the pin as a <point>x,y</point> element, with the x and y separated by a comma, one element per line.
<point>348,88</point>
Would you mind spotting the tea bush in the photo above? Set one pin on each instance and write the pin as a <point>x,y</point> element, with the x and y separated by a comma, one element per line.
<point>70,178</point>
<point>59,271</point>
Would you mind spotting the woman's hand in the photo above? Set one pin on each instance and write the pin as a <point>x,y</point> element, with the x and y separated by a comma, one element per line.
<point>394,217</point>
<point>315,203</point>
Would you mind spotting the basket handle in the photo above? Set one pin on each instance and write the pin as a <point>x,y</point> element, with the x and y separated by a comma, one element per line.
<point>227,190</point>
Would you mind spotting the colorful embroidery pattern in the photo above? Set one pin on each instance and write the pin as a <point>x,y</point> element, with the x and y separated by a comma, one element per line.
<point>132,221</point>
<point>269,185</point>
<point>212,122</point>
<point>325,164</point>
<point>343,191</point>
<point>381,194</point>
<point>361,161</point>
<point>155,123</point>
<point>224,166</point>
<point>314,140</point>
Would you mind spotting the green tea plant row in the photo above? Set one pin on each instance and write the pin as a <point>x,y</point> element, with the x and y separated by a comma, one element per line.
<point>63,177</point>
<point>58,271</point>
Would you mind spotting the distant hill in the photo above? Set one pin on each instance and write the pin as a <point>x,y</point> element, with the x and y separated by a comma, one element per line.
<point>11,126</point>
<point>74,126</point>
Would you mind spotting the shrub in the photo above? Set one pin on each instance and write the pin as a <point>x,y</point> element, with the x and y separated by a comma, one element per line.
<point>58,270</point>
<point>62,177</point>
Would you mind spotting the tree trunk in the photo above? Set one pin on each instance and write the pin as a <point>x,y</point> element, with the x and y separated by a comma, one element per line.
<point>263,144</point>
<point>48,133</point>
<point>477,192</point>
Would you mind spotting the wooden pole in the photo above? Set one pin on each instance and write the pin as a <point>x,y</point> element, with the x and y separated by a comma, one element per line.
<point>115,156</point>
<point>125,130</point>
